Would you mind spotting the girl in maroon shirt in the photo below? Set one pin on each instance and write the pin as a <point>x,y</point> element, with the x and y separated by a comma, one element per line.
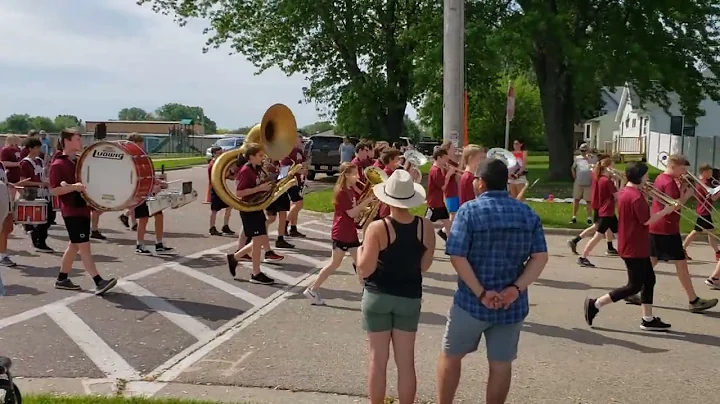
<point>704,208</point>
<point>472,156</point>
<point>344,235</point>
<point>604,191</point>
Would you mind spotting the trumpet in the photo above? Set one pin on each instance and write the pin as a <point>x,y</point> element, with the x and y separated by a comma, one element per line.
<point>374,176</point>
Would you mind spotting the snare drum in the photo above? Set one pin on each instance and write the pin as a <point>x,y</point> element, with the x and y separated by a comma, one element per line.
<point>55,202</point>
<point>117,175</point>
<point>31,212</point>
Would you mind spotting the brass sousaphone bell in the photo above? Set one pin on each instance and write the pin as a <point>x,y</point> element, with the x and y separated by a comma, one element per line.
<point>276,134</point>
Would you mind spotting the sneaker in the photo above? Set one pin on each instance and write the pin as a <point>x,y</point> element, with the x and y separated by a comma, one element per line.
<point>687,257</point>
<point>273,256</point>
<point>214,232</point>
<point>42,247</point>
<point>654,325</point>
<point>442,235</point>
<point>134,227</point>
<point>7,262</point>
<point>282,243</point>
<point>104,286</point>
<point>590,311</point>
<point>573,220</point>
<point>584,262</point>
<point>314,297</point>
<point>713,283</point>
<point>295,233</point>
<point>634,299</point>
<point>589,222</point>
<point>140,249</point>
<point>66,284</point>
<point>611,252</point>
<point>701,305</point>
<point>232,264</point>
<point>573,246</point>
<point>261,279</point>
<point>161,248</point>
<point>97,235</point>
<point>226,231</point>
<point>246,258</point>
<point>124,220</point>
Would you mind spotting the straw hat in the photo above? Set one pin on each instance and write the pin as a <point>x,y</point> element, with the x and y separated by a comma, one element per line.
<point>400,191</point>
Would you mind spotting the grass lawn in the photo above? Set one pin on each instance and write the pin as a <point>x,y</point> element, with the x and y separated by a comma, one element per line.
<point>50,399</point>
<point>177,163</point>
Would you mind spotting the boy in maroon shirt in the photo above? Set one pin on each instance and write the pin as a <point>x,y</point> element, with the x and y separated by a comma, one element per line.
<point>634,249</point>
<point>362,160</point>
<point>10,158</point>
<point>76,215</point>
<point>217,204</point>
<point>666,244</point>
<point>390,159</point>
<point>31,170</point>
<point>436,209</point>
<point>296,156</point>
<point>249,184</point>
<point>704,208</point>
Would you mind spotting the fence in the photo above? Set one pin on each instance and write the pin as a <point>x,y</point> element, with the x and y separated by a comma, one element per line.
<point>698,150</point>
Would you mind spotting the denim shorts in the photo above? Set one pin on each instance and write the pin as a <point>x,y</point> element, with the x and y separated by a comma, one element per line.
<point>463,333</point>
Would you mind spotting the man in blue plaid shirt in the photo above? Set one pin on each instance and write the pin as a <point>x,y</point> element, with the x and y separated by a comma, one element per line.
<point>497,246</point>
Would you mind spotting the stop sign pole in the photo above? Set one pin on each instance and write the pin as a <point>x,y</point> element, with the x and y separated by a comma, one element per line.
<point>454,71</point>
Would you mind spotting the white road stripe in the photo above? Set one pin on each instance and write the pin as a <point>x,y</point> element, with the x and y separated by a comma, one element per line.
<point>302,257</point>
<point>219,284</point>
<point>326,246</point>
<point>104,357</point>
<point>278,275</point>
<point>167,310</point>
<point>26,315</point>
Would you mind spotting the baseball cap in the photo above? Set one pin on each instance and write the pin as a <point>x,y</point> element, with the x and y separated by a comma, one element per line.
<point>583,146</point>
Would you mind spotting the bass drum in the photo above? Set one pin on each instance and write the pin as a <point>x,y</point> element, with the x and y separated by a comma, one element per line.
<point>117,175</point>
<point>5,207</point>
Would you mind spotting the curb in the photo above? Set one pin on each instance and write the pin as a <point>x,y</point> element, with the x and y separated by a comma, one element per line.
<point>564,231</point>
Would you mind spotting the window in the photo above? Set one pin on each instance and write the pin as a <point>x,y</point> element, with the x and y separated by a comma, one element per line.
<point>227,142</point>
<point>326,142</point>
<point>627,122</point>
<point>634,122</point>
<point>646,125</point>
<point>586,134</point>
<point>676,125</point>
<point>689,131</point>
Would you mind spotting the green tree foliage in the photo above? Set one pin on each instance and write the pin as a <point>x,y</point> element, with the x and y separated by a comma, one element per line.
<point>134,114</point>
<point>359,56</point>
<point>23,123</point>
<point>178,112</point>
<point>317,127</point>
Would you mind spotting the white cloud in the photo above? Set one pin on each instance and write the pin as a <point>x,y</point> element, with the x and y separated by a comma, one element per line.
<point>93,57</point>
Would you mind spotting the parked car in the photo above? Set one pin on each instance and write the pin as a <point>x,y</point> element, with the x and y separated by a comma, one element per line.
<point>427,147</point>
<point>228,143</point>
<point>324,155</point>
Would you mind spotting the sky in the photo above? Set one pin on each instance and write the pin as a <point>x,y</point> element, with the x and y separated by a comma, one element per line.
<point>91,58</point>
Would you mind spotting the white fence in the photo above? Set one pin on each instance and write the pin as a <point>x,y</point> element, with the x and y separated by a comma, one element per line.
<point>698,150</point>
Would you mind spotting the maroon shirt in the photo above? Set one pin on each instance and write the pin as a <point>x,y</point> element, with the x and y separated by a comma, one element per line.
<point>296,156</point>
<point>247,177</point>
<point>343,227</point>
<point>12,154</point>
<point>467,189</point>
<point>27,170</point>
<point>606,197</point>
<point>703,199</point>
<point>670,224</point>
<point>451,190</point>
<point>633,234</point>
<point>71,204</point>
<point>384,210</point>
<point>436,180</point>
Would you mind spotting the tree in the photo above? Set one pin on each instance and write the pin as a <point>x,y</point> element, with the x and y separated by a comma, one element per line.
<point>18,123</point>
<point>178,112</point>
<point>577,46</point>
<point>133,114</point>
<point>359,56</point>
<point>66,121</point>
<point>317,127</point>
<point>412,130</point>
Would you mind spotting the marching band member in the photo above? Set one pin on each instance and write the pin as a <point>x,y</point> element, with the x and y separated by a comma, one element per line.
<point>518,179</point>
<point>472,156</point>
<point>704,208</point>
<point>436,209</point>
<point>296,156</point>
<point>217,204</point>
<point>713,281</point>
<point>7,224</point>
<point>10,158</point>
<point>31,170</point>
<point>344,235</point>
<point>634,249</point>
<point>450,189</point>
<point>278,210</point>
<point>362,160</point>
<point>142,214</point>
<point>604,191</point>
<point>390,159</point>
<point>76,215</point>
<point>249,183</point>
<point>95,225</point>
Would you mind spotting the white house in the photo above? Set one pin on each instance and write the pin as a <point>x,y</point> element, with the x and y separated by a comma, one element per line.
<point>598,132</point>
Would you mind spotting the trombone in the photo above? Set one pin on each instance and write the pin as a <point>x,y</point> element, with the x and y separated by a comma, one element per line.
<point>693,181</point>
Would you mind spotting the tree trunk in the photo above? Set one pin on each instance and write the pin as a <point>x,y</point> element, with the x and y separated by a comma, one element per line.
<point>556,95</point>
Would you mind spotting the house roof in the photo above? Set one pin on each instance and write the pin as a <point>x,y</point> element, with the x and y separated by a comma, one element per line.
<point>628,95</point>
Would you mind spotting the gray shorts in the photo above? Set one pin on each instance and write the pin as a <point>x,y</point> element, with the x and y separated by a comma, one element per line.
<point>463,333</point>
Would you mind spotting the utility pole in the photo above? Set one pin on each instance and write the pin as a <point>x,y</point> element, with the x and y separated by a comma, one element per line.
<point>454,71</point>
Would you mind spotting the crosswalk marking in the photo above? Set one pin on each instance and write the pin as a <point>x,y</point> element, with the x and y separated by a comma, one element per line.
<point>325,246</point>
<point>279,275</point>
<point>167,310</point>
<point>104,357</point>
<point>303,257</point>
<point>219,284</point>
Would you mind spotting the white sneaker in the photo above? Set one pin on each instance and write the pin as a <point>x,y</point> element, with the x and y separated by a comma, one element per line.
<point>713,283</point>
<point>314,297</point>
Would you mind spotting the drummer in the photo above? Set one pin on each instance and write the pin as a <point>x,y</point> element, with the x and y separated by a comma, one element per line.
<point>142,214</point>
<point>31,170</point>
<point>7,225</point>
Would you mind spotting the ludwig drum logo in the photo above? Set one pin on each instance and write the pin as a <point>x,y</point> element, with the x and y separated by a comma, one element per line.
<point>109,154</point>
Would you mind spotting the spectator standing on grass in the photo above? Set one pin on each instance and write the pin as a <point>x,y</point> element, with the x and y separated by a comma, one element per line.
<point>582,185</point>
<point>347,150</point>
<point>497,247</point>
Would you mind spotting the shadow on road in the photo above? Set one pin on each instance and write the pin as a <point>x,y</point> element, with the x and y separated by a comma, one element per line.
<point>702,339</point>
<point>210,312</point>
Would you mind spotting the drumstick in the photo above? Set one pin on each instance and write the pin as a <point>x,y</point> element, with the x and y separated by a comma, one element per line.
<point>170,182</point>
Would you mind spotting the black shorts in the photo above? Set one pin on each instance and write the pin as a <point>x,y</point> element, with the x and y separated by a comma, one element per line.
<point>281,204</point>
<point>345,246</point>
<point>295,193</point>
<point>667,247</point>
<point>435,214</point>
<point>703,223</point>
<point>607,223</point>
<point>216,204</point>
<point>78,228</point>
<point>142,211</point>
<point>253,223</point>
<point>596,215</point>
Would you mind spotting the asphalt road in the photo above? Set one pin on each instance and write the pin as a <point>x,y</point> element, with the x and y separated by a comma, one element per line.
<point>163,308</point>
